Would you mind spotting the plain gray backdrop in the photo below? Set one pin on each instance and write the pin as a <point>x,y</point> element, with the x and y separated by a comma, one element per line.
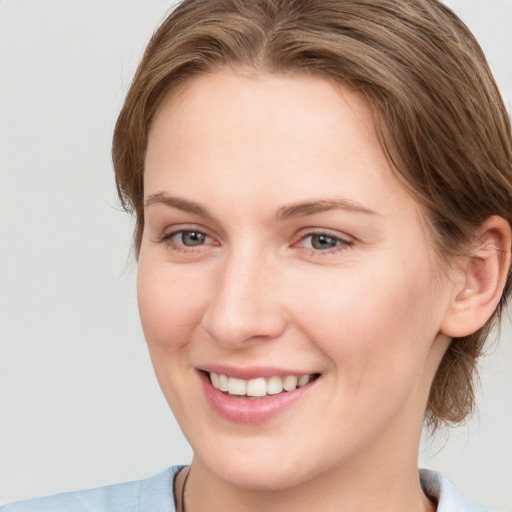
<point>79,405</point>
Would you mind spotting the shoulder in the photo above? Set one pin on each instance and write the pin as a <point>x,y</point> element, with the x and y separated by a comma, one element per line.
<point>154,493</point>
<point>448,497</point>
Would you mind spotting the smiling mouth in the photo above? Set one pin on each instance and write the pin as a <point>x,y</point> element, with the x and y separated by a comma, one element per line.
<point>259,387</point>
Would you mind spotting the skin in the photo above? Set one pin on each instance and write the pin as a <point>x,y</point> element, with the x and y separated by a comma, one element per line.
<point>366,313</point>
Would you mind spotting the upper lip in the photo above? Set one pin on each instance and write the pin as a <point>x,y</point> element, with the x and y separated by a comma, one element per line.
<point>251,372</point>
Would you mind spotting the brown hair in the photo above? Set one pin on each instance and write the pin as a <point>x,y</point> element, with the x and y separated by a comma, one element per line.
<point>437,110</point>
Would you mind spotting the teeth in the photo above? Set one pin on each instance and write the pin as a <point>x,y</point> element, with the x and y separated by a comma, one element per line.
<point>290,383</point>
<point>237,386</point>
<point>303,380</point>
<point>259,386</point>
<point>215,380</point>
<point>256,387</point>
<point>223,383</point>
<point>274,386</point>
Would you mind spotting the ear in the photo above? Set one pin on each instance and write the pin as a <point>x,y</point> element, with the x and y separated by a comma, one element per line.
<point>485,272</point>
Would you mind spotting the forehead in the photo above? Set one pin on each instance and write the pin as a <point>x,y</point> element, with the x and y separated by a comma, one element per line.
<point>267,139</point>
<point>271,119</point>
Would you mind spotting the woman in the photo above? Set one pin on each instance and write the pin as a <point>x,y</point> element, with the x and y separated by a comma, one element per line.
<point>322,193</point>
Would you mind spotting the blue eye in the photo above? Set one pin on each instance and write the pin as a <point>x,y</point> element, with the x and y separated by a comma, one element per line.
<point>323,242</point>
<point>187,240</point>
<point>190,238</point>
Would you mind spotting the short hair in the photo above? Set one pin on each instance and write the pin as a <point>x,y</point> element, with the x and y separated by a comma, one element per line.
<point>437,110</point>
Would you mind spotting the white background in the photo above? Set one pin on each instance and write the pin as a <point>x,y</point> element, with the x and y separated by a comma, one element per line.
<point>79,406</point>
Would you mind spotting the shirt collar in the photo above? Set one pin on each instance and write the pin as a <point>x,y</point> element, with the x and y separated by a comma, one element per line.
<point>447,496</point>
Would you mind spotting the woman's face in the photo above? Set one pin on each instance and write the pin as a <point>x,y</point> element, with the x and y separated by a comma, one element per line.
<point>278,246</point>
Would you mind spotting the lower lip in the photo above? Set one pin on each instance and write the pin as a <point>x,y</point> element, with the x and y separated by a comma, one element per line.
<point>244,410</point>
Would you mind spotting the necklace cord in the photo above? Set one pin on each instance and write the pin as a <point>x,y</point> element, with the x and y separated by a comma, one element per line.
<point>183,489</point>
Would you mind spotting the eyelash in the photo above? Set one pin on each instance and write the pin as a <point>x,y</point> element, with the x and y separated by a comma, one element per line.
<point>341,243</point>
<point>168,238</point>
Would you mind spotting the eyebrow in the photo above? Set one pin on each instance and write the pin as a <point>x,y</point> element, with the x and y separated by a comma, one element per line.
<point>176,202</point>
<point>285,212</point>
<point>323,205</point>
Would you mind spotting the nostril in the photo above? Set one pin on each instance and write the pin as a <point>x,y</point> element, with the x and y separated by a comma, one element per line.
<point>244,303</point>
<point>234,327</point>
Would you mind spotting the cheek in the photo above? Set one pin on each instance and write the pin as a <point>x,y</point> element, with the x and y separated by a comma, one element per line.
<point>170,311</point>
<point>169,305</point>
<point>378,340</point>
<point>371,326</point>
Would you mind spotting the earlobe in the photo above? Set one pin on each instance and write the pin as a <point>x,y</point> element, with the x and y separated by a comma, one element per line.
<point>485,273</point>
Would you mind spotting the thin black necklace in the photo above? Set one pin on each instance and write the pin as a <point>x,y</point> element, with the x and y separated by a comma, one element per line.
<point>182,497</point>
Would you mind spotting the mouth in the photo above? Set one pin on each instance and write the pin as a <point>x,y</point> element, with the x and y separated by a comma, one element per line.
<point>259,387</point>
<point>255,395</point>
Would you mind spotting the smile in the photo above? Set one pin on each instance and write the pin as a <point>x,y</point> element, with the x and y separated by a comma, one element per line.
<point>260,386</point>
<point>261,396</point>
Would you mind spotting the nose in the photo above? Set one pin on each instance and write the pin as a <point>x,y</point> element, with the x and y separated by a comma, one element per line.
<point>245,306</point>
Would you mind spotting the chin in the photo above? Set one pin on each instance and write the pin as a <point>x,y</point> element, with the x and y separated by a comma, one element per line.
<point>259,477</point>
<point>259,467</point>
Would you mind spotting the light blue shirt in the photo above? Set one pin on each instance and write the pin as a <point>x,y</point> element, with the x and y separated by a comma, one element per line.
<point>156,494</point>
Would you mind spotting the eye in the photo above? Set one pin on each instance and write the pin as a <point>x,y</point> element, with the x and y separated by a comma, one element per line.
<point>321,242</point>
<point>189,238</point>
<point>191,241</point>
<point>324,242</point>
